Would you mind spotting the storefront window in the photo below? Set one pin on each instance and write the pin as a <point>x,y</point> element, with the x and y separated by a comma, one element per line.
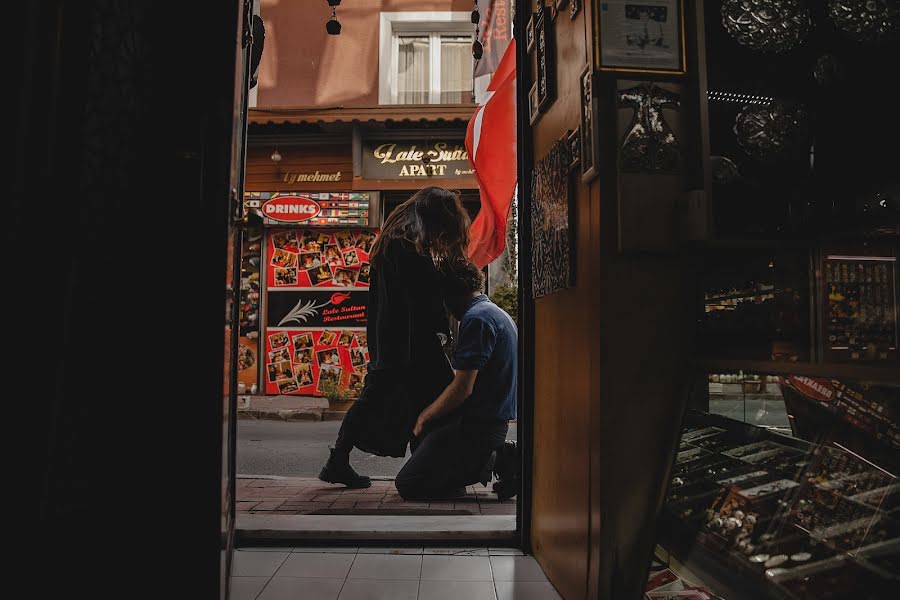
<point>749,398</point>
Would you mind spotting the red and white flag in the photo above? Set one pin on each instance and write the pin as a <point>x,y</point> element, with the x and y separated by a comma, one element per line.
<point>491,145</point>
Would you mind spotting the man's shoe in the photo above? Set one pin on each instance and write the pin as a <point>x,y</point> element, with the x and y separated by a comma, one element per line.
<point>508,464</point>
<point>486,474</point>
<point>508,469</point>
<point>506,488</point>
<point>338,470</point>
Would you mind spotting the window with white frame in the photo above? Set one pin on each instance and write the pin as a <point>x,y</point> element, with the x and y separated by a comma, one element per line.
<point>426,60</point>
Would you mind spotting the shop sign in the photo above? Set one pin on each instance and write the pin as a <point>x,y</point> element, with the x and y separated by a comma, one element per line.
<point>820,390</point>
<point>314,308</point>
<point>402,160</point>
<point>291,177</point>
<point>291,209</point>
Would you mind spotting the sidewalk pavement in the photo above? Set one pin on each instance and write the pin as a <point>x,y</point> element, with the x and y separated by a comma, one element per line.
<point>308,495</point>
<point>286,408</point>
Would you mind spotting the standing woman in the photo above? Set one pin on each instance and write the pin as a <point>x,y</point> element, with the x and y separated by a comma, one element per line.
<point>407,365</point>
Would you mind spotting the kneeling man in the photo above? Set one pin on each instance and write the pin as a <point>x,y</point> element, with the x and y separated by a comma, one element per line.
<point>460,437</point>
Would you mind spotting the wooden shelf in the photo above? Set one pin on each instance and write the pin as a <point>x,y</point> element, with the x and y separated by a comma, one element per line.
<point>740,295</point>
<point>880,373</point>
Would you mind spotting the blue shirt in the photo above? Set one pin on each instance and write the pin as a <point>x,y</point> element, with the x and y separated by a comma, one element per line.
<point>488,342</point>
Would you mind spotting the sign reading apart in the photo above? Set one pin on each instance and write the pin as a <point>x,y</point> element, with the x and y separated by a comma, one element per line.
<point>402,160</point>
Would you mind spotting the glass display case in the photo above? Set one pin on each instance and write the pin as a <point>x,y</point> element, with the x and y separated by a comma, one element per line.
<point>783,482</point>
<point>811,510</point>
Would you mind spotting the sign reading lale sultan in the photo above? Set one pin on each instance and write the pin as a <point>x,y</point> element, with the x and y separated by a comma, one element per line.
<point>400,160</point>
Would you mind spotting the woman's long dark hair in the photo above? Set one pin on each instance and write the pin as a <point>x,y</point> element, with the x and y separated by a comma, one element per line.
<point>433,220</point>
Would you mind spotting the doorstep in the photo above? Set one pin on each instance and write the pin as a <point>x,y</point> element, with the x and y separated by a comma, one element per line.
<point>293,496</point>
<point>255,528</point>
<point>283,408</point>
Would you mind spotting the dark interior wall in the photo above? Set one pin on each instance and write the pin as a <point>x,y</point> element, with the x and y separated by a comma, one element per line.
<point>119,206</point>
<point>609,353</point>
<point>644,306</point>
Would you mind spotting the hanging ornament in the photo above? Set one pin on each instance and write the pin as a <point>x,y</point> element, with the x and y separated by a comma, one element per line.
<point>827,69</point>
<point>649,145</point>
<point>774,26</point>
<point>724,170</point>
<point>768,132</point>
<point>865,20</point>
<point>477,48</point>
<point>333,26</point>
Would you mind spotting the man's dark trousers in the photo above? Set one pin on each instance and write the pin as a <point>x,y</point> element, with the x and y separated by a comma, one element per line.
<point>450,456</point>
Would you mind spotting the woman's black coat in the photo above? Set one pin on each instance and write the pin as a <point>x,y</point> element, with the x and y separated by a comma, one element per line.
<point>408,368</point>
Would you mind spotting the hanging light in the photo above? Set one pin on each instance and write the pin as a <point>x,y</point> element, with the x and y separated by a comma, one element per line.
<point>333,26</point>
<point>276,156</point>
<point>774,26</point>
<point>865,20</point>
<point>768,132</point>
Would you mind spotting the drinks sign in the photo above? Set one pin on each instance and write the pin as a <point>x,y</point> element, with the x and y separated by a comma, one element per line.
<point>291,209</point>
<point>405,160</point>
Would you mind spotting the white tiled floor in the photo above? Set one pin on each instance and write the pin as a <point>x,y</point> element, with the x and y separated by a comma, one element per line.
<point>380,573</point>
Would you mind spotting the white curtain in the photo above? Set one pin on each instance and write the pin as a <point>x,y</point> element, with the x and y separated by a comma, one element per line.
<point>456,70</point>
<point>413,73</point>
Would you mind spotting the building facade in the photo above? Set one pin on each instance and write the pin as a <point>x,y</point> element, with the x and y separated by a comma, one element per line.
<point>348,126</point>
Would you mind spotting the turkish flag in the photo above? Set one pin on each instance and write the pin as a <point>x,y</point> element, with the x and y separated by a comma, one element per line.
<point>491,145</point>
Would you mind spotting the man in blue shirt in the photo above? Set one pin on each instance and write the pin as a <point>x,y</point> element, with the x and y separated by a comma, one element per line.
<point>460,437</point>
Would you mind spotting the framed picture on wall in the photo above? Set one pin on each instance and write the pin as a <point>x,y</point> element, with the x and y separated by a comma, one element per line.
<point>546,58</point>
<point>644,38</point>
<point>573,139</point>
<point>574,7</point>
<point>588,126</point>
<point>552,215</point>
<point>534,109</point>
<point>529,34</point>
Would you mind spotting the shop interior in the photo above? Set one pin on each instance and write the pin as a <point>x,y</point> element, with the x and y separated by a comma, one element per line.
<point>785,480</point>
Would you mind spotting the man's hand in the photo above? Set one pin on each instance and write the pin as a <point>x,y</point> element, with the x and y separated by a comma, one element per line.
<point>420,424</point>
<point>450,399</point>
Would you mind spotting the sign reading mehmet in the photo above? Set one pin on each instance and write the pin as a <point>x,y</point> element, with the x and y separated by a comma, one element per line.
<point>402,160</point>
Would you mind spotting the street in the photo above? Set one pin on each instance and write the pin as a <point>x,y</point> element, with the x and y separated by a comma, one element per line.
<point>300,448</point>
<point>762,410</point>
